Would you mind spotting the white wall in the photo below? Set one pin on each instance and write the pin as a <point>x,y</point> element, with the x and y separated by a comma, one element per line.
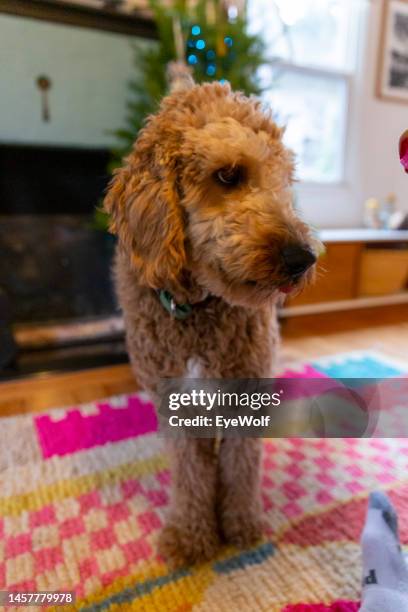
<point>372,162</point>
<point>89,71</point>
<point>382,123</point>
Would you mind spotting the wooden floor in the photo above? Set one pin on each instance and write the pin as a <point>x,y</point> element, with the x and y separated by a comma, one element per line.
<point>42,392</point>
<point>57,390</point>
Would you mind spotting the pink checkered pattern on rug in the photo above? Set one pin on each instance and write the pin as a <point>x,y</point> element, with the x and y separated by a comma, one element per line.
<point>108,532</point>
<point>100,540</point>
<point>99,523</point>
<point>77,431</point>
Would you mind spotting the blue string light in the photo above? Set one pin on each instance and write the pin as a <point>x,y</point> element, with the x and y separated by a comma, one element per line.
<point>196,30</point>
<point>192,59</point>
<point>210,54</point>
<point>200,44</point>
<point>190,44</point>
<point>211,69</point>
<point>228,41</point>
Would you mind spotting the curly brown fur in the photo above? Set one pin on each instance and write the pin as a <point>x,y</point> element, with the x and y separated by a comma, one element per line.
<point>182,229</point>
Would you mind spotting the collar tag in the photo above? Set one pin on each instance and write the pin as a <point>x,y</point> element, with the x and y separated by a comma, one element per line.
<point>177,311</point>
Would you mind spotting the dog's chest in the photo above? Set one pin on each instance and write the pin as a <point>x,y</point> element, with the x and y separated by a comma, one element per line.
<point>231,343</point>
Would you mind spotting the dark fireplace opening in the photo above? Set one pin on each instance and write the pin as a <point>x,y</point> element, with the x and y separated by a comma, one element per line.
<point>55,267</point>
<point>55,280</point>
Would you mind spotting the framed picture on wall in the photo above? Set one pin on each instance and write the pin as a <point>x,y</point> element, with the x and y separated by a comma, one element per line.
<point>393,61</point>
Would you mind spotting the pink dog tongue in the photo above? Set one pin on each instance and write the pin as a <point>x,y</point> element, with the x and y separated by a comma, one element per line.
<point>286,289</point>
<point>403,150</point>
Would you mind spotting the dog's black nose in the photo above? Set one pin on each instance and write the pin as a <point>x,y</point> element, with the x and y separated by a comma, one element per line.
<point>297,259</point>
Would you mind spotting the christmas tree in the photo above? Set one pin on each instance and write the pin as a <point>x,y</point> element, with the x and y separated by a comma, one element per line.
<point>210,36</point>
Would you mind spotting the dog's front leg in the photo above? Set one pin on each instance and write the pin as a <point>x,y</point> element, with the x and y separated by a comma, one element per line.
<point>190,534</point>
<point>239,490</point>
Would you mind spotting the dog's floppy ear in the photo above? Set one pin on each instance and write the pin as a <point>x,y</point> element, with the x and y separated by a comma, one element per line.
<point>143,204</point>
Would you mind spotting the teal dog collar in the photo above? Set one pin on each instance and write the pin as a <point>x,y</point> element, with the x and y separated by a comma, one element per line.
<point>177,311</point>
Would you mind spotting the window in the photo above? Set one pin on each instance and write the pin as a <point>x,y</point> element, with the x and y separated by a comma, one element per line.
<point>311,47</point>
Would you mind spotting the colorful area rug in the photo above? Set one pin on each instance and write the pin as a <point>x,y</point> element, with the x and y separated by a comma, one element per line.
<point>84,490</point>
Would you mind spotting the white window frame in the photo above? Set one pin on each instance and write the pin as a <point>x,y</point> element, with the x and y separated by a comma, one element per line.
<point>338,203</point>
<point>336,75</point>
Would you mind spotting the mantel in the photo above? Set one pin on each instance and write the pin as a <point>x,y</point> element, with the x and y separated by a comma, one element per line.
<point>136,23</point>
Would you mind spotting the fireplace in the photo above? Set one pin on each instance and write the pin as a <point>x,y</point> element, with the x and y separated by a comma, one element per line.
<point>55,289</point>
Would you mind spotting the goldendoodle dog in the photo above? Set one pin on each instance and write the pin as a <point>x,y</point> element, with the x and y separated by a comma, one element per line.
<point>203,213</point>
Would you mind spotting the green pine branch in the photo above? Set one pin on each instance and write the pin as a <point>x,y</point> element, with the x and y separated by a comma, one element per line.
<point>236,60</point>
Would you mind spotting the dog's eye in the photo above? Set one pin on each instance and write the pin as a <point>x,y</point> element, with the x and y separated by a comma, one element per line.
<point>230,176</point>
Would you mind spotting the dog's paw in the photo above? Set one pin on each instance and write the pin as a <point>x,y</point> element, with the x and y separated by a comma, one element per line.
<point>188,545</point>
<point>242,530</point>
